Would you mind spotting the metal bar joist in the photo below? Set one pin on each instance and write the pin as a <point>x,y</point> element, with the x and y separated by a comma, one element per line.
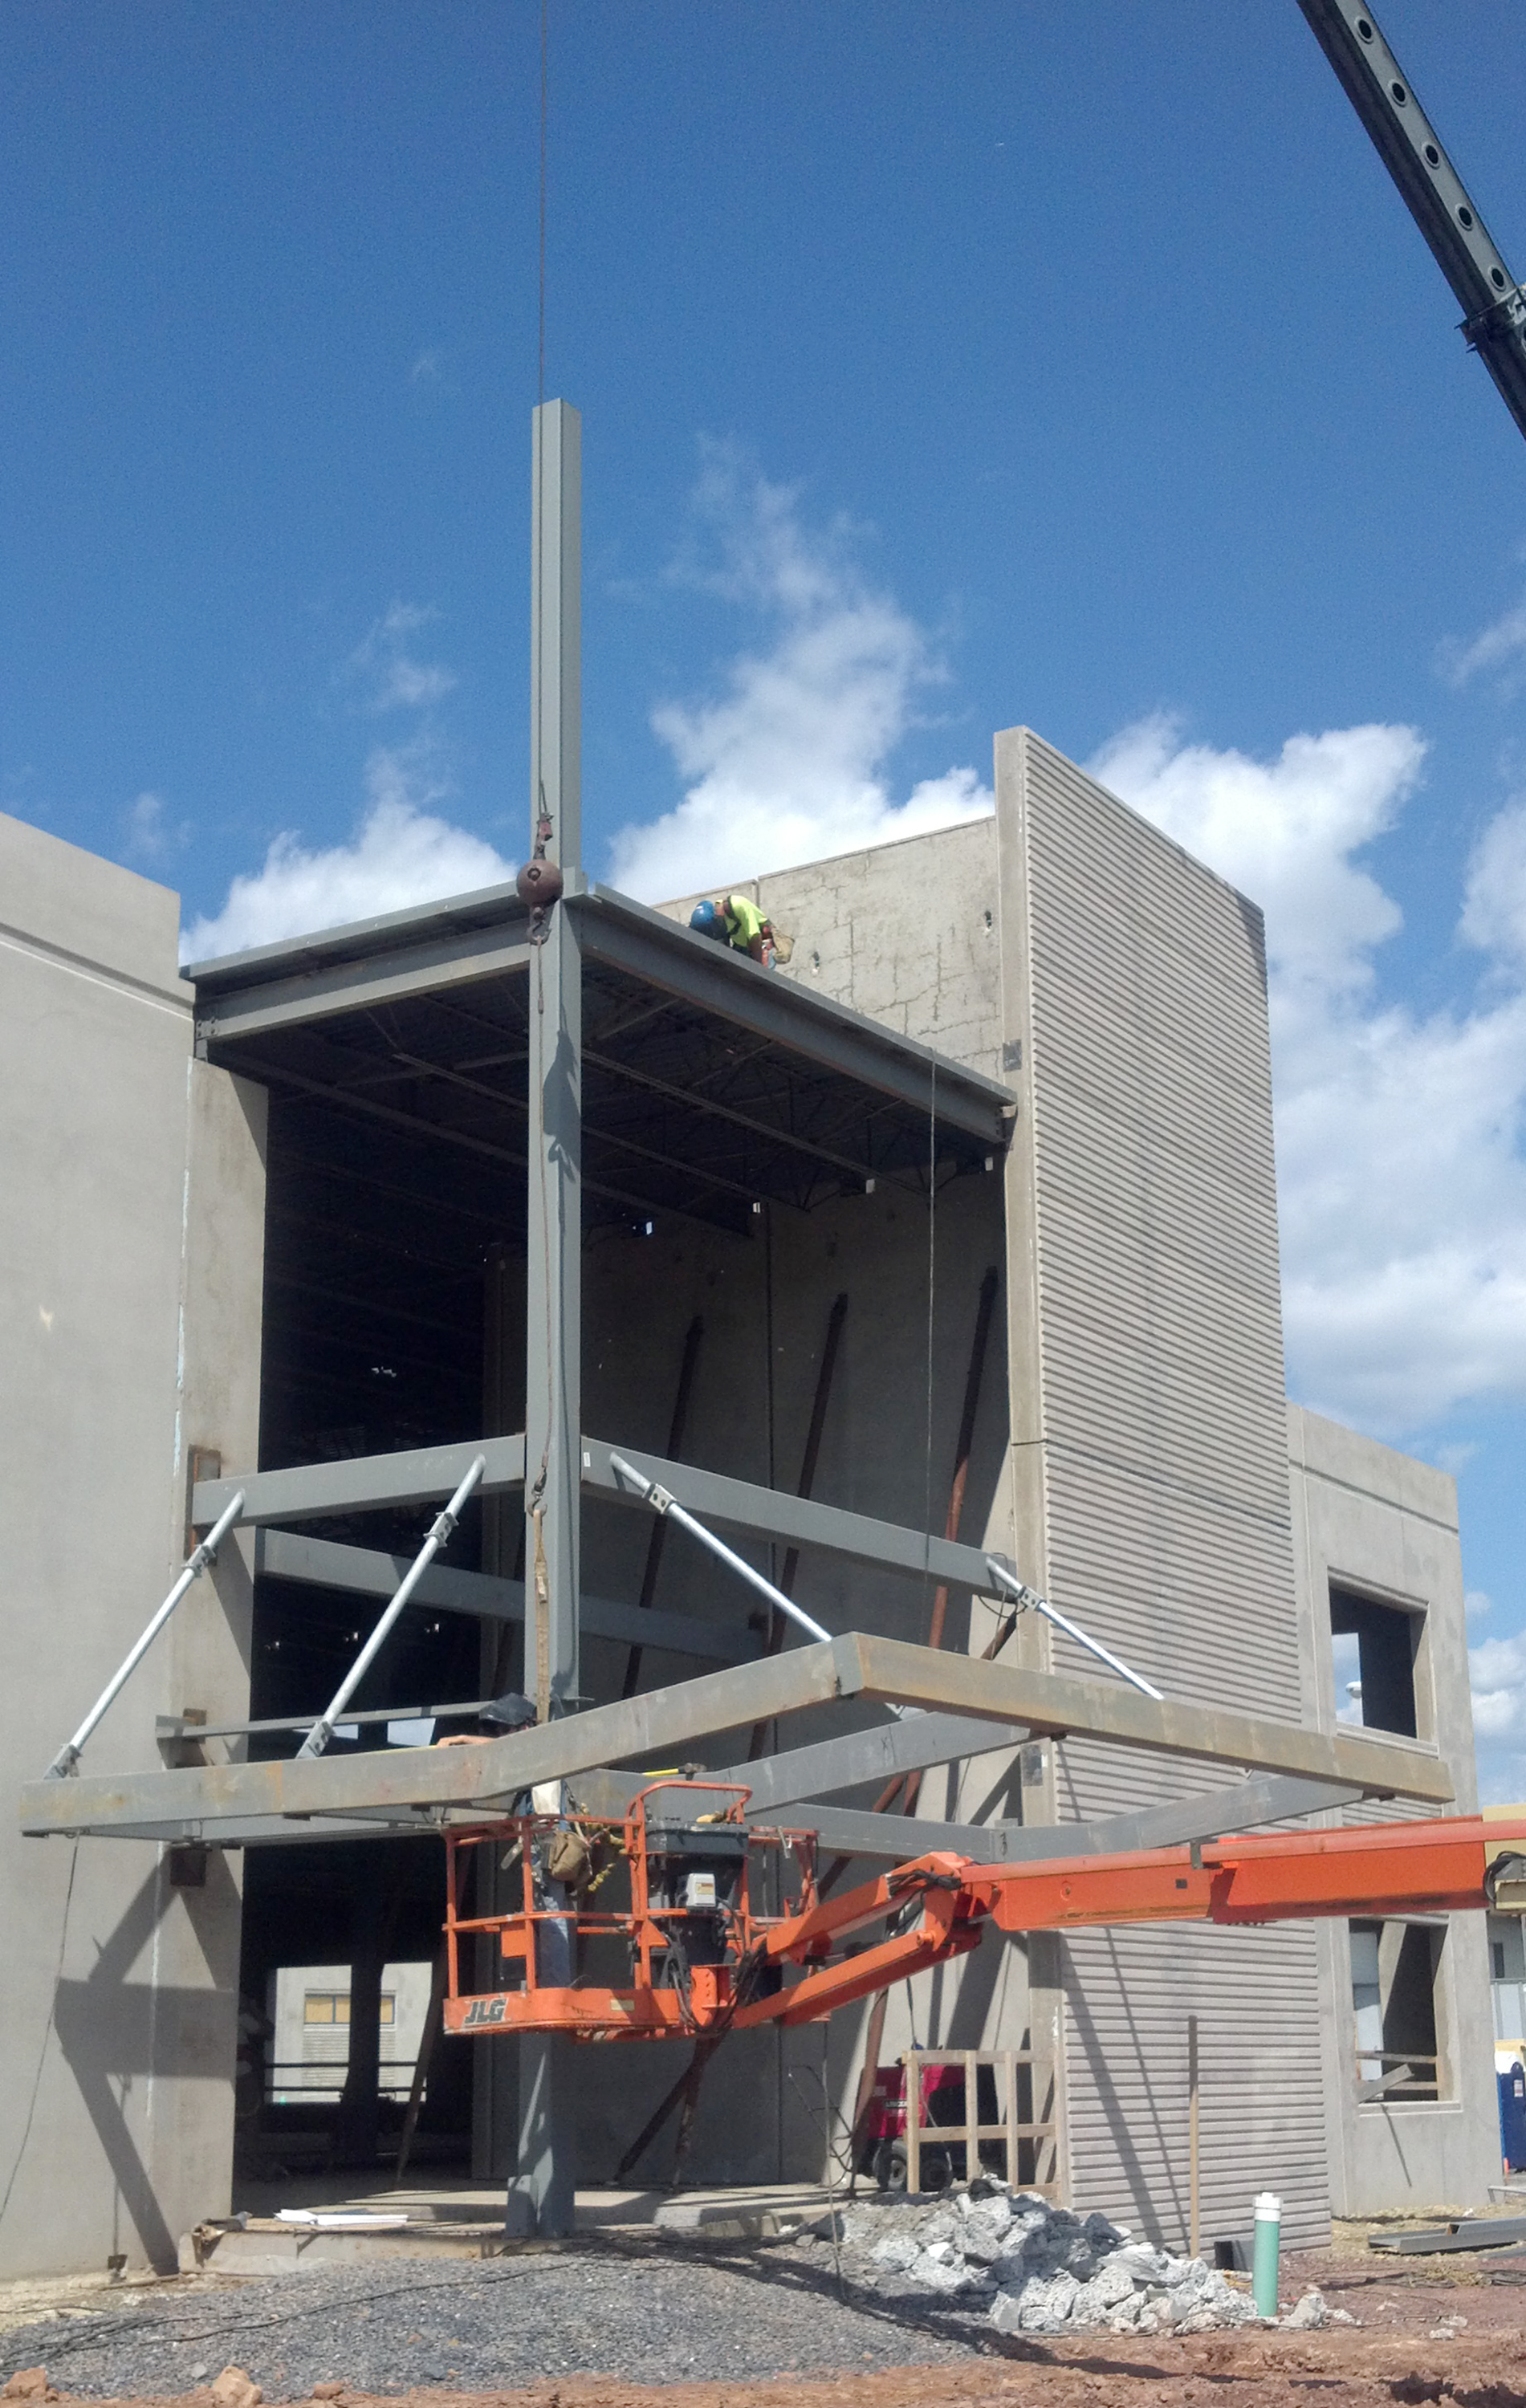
<point>1492,303</point>
<point>627,936</point>
<point>644,1730</point>
<point>322,1563</point>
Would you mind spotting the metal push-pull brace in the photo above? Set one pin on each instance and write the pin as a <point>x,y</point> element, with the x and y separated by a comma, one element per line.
<point>1023,1598</point>
<point>662,1502</point>
<point>196,1562</point>
<point>442,1530</point>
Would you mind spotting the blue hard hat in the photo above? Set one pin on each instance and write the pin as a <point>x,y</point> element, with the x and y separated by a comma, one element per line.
<point>706,918</point>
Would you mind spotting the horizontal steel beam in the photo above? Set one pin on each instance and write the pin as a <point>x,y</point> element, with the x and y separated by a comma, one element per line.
<point>308,1491</point>
<point>370,1482</point>
<point>909,1745</point>
<point>322,1563</point>
<point>798,1521</point>
<point>1267,1797</point>
<point>627,936</point>
<point>1055,1705</point>
<point>1243,1808</point>
<point>650,1728</point>
<point>389,976</point>
<point>657,1727</point>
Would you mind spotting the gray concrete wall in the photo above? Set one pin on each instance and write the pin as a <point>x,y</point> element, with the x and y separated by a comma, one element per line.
<point>129,1204</point>
<point>1376,1521</point>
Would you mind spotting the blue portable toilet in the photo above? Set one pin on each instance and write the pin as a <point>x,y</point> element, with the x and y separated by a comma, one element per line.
<point>1512,2089</point>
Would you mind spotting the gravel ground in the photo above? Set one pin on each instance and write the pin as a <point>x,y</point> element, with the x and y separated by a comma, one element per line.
<point>653,2314</point>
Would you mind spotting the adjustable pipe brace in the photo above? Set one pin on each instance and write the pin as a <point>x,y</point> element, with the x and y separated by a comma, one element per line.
<point>1028,1600</point>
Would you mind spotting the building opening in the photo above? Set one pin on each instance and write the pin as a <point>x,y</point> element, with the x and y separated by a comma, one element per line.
<point>1374,1647</point>
<point>1395,1968</point>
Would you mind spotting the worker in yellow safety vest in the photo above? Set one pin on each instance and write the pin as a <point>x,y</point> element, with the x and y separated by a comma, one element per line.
<point>733,920</point>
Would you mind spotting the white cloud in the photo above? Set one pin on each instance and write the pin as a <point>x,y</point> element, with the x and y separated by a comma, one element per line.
<point>1401,1186</point>
<point>148,837</point>
<point>1476,1603</point>
<point>787,763</point>
<point>1494,904</point>
<point>401,854</point>
<point>1500,645</point>
<point>1497,1671</point>
<point>389,673</point>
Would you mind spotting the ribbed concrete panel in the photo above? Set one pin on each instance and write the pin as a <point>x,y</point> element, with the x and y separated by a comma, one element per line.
<point>1128,1998</point>
<point>1146,1210</point>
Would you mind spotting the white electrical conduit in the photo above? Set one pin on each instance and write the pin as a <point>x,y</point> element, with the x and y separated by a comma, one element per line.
<point>442,1529</point>
<point>196,1564</point>
<point>1024,1597</point>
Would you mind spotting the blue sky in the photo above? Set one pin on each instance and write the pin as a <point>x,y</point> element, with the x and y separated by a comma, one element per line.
<point>942,366</point>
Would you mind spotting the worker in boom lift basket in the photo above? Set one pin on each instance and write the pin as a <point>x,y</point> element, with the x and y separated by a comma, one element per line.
<point>733,920</point>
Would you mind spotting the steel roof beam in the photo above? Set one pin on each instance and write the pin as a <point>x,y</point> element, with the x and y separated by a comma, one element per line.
<point>393,976</point>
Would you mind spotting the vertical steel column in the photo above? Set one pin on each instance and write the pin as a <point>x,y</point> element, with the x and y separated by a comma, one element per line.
<point>544,2177</point>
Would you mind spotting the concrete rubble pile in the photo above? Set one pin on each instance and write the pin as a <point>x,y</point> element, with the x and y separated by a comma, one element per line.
<point>1038,2269</point>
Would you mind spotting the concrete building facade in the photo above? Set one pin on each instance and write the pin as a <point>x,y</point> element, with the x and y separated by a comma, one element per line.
<point>299,1256</point>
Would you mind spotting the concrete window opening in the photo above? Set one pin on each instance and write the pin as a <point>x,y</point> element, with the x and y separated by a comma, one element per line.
<point>1375,1650</point>
<point>1395,1978</point>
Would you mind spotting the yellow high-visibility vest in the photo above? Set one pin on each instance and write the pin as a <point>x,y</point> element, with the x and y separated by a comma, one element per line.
<point>743,921</point>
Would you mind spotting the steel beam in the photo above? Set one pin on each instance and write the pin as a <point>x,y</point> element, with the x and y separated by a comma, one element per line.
<point>1266,1798</point>
<point>910,1744</point>
<point>1057,1705</point>
<point>626,937</point>
<point>321,1563</point>
<point>306,1492</point>
<point>394,975</point>
<point>798,1521</point>
<point>1493,304</point>
<point>553,1317</point>
<point>1249,1804</point>
<point>555,628</point>
<point>647,1729</point>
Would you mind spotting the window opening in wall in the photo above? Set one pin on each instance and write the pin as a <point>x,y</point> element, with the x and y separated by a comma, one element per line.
<point>1374,1648</point>
<point>1395,1968</point>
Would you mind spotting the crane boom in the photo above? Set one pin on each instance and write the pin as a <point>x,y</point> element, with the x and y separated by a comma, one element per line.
<point>1493,304</point>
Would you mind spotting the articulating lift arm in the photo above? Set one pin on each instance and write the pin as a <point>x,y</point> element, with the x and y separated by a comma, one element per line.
<point>720,1914</point>
<point>1493,304</point>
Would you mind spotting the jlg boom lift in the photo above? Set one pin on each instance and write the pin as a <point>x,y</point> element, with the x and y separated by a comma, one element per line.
<point>717,1925</point>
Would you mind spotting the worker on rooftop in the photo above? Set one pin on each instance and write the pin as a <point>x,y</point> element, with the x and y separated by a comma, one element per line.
<point>733,920</point>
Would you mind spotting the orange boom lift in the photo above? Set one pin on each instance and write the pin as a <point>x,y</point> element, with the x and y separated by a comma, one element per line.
<point>715,1925</point>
